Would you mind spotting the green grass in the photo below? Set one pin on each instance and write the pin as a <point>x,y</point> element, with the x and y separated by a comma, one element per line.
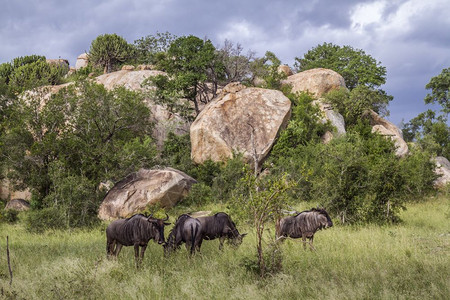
<point>410,260</point>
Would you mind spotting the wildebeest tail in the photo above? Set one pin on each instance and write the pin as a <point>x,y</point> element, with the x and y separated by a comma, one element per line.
<point>194,232</point>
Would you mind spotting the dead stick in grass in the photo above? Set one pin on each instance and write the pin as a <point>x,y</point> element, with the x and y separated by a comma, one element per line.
<point>9,261</point>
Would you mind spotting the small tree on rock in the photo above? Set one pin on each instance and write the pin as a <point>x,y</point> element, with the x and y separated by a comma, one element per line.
<point>108,50</point>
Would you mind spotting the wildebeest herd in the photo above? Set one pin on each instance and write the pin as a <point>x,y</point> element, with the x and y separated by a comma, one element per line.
<point>138,230</point>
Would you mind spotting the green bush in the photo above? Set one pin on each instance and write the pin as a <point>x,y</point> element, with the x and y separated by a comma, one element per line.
<point>10,216</point>
<point>38,221</point>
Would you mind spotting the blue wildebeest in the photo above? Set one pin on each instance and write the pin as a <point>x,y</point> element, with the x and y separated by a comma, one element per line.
<point>186,230</point>
<point>135,231</point>
<point>303,225</point>
<point>220,226</point>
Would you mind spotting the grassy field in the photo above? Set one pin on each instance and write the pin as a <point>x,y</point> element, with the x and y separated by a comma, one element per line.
<point>410,260</point>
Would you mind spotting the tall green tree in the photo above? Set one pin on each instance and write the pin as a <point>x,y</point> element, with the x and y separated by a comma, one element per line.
<point>151,49</point>
<point>440,87</point>
<point>194,71</point>
<point>430,129</point>
<point>109,50</point>
<point>363,76</point>
<point>357,67</point>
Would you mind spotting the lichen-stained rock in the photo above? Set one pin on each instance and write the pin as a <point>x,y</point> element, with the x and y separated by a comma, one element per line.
<point>82,61</point>
<point>335,118</point>
<point>285,69</point>
<point>130,80</point>
<point>386,128</point>
<point>17,204</point>
<point>316,81</point>
<point>226,124</point>
<point>136,191</point>
<point>443,171</point>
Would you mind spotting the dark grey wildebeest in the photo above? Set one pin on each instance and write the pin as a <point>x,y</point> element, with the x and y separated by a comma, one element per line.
<point>135,231</point>
<point>303,225</point>
<point>186,230</point>
<point>220,226</point>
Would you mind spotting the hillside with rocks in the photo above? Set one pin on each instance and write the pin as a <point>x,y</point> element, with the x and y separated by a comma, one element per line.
<point>197,127</point>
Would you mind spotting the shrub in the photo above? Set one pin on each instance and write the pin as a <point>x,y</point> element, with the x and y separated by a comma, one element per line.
<point>39,221</point>
<point>10,216</point>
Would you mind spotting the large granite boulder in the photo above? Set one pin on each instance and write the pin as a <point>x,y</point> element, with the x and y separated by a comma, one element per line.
<point>443,171</point>
<point>82,61</point>
<point>138,190</point>
<point>17,204</point>
<point>244,120</point>
<point>316,81</point>
<point>386,128</point>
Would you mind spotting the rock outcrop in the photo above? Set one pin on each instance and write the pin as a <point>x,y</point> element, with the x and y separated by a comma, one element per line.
<point>319,82</point>
<point>388,129</point>
<point>138,190</point>
<point>285,69</point>
<point>165,121</point>
<point>316,81</point>
<point>82,61</point>
<point>443,171</point>
<point>245,120</point>
<point>18,204</point>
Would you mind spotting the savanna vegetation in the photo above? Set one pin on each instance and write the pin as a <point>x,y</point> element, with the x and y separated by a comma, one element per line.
<point>391,233</point>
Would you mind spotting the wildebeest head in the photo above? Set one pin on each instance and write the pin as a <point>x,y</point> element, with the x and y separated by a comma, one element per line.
<point>323,218</point>
<point>235,237</point>
<point>158,228</point>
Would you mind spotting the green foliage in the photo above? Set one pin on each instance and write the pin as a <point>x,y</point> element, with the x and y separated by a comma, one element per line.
<point>10,216</point>
<point>303,128</point>
<point>218,181</point>
<point>151,49</point>
<point>266,68</point>
<point>352,104</point>
<point>191,63</point>
<point>28,72</point>
<point>109,50</point>
<point>430,132</point>
<point>440,86</point>
<point>428,129</point>
<point>357,67</point>
<point>83,135</point>
<point>262,202</point>
<point>39,221</point>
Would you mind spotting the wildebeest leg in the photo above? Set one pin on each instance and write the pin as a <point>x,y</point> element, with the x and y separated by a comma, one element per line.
<point>304,242</point>
<point>311,243</point>
<point>142,252</point>
<point>110,245</point>
<point>118,248</point>
<point>221,240</point>
<point>136,254</point>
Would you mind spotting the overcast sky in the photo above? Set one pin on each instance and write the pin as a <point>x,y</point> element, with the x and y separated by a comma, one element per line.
<point>411,38</point>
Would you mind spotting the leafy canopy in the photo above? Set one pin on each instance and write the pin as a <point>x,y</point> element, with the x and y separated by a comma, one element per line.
<point>109,50</point>
<point>191,64</point>
<point>357,67</point>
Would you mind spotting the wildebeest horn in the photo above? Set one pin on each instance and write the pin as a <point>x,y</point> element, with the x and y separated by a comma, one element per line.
<point>167,217</point>
<point>150,215</point>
